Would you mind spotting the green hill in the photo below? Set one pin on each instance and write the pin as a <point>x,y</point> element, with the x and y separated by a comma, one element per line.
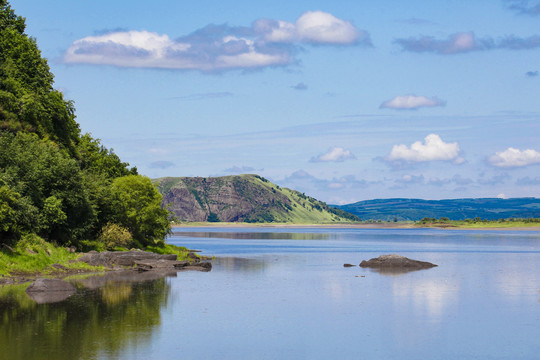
<point>454,209</point>
<point>243,198</point>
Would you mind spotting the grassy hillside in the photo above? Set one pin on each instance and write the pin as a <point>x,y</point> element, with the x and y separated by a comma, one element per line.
<point>454,209</point>
<point>243,198</point>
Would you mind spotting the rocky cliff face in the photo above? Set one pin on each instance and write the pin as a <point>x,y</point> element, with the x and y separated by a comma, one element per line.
<point>242,198</point>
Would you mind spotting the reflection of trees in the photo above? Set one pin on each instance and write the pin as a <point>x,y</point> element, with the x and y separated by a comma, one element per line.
<point>87,325</point>
<point>255,235</point>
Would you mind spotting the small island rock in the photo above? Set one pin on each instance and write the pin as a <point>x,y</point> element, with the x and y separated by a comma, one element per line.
<point>396,262</point>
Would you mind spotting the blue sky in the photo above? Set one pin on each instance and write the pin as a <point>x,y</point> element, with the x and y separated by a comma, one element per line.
<point>343,100</point>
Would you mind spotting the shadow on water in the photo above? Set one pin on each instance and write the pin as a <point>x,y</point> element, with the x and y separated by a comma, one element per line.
<point>107,314</point>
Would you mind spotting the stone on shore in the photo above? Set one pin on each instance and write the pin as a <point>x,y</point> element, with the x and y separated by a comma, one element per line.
<point>396,262</point>
<point>143,261</point>
<point>44,291</point>
<point>122,258</point>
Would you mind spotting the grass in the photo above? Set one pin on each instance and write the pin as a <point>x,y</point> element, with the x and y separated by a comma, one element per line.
<point>480,224</point>
<point>34,255</point>
<point>180,251</point>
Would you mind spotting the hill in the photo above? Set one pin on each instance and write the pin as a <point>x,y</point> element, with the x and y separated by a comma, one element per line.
<point>454,209</point>
<point>243,198</point>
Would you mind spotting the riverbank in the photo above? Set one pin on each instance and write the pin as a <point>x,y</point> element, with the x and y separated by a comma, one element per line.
<point>28,261</point>
<point>389,225</point>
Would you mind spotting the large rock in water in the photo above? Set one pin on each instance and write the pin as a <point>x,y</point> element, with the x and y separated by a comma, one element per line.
<point>45,291</point>
<point>396,262</point>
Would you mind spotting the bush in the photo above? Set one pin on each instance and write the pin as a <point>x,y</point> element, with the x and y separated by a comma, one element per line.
<point>114,235</point>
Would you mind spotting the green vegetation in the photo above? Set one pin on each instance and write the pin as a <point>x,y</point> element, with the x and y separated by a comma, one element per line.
<point>479,223</point>
<point>56,184</point>
<point>454,209</point>
<point>33,254</point>
<point>244,198</point>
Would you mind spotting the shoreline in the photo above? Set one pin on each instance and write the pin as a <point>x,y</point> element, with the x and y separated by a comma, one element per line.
<point>381,226</point>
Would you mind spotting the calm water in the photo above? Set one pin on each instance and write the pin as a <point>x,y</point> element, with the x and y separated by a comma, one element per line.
<point>284,294</point>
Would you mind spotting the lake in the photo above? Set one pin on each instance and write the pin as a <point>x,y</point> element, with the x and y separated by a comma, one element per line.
<point>278,293</point>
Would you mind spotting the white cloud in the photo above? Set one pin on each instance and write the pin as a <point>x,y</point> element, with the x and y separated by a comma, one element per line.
<point>512,157</point>
<point>324,28</point>
<point>216,47</point>
<point>335,154</point>
<point>432,149</point>
<point>411,102</point>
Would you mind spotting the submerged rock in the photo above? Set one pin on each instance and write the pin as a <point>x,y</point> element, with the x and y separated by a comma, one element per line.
<point>396,262</point>
<point>44,291</point>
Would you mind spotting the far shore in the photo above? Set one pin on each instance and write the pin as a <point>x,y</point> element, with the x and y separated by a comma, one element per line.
<point>350,226</point>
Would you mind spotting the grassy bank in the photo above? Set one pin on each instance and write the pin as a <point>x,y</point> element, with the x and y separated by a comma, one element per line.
<point>34,256</point>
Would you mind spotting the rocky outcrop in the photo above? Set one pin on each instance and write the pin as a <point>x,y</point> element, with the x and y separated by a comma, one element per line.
<point>122,258</point>
<point>45,291</point>
<point>143,261</point>
<point>396,262</point>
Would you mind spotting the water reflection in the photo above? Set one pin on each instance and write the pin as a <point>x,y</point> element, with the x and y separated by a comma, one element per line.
<point>100,320</point>
<point>256,235</point>
<point>234,264</point>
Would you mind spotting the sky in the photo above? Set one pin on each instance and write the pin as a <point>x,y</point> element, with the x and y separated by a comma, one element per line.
<point>342,100</point>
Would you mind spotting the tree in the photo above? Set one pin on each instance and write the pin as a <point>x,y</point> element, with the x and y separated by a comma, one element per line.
<point>136,205</point>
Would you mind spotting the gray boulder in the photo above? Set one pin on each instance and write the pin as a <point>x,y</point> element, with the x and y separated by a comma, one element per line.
<point>122,258</point>
<point>396,262</point>
<point>45,291</point>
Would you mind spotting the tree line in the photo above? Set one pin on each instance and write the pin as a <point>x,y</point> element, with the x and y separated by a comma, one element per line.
<point>56,183</point>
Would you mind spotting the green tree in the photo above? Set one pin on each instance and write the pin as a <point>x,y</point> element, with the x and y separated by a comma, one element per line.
<point>28,101</point>
<point>49,180</point>
<point>136,205</point>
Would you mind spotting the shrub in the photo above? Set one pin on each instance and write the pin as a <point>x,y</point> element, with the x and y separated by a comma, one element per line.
<point>114,235</point>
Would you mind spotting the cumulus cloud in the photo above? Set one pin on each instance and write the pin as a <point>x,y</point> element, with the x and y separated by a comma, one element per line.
<point>512,157</point>
<point>411,102</point>
<point>213,48</point>
<point>464,42</point>
<point>523,7</point>
<point>335,154</point>
<point>432,149</point>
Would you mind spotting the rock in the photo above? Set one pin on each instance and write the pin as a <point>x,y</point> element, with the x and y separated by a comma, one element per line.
<point>122,258</point>
<point>202,266</point>
<point>152,264</point>
<point>348,265</point>
<point>45,291</point>
<point>396,262</point>
<point>192,256</point>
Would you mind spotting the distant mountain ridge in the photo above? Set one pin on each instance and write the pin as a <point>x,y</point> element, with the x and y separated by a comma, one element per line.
<point>242,198</point>
<point>455,209</point>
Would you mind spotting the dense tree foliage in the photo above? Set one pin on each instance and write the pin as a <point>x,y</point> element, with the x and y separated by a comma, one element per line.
<point>27,99</point>
<point>54,182</point>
